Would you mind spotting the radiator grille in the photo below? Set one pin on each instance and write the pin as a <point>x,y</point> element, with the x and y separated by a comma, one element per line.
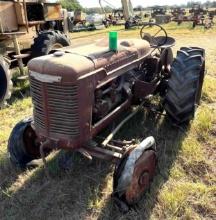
<point>59,110</point>
<point>39,114</point>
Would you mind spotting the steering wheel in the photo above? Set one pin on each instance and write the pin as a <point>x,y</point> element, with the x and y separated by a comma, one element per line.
<point>153,38</point>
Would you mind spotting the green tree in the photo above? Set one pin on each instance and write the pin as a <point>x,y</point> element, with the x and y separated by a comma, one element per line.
<point>71,5</point>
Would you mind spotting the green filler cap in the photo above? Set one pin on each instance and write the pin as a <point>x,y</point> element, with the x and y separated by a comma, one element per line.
<point>113,40</point>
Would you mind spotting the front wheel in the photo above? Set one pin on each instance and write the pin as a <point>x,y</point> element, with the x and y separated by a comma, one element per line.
<point>134,173</point>
<point>22,144</point>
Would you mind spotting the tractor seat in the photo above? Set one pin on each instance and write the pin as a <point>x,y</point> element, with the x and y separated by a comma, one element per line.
<point>170,42</point>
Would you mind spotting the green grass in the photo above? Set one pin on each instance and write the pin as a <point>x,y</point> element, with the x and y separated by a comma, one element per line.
<point>184,187</point>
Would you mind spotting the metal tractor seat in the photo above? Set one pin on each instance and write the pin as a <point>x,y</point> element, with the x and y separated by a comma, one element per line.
<point>169,42</point>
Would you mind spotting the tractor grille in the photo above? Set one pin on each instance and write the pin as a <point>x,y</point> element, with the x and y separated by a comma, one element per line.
<point>39,113</point>
<point>55,108</point>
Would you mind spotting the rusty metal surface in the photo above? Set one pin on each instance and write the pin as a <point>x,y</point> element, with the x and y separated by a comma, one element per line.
<point>77,64</point>
<point>142,89</point>
<point>62,115</point>
<point>108,154</point>
<point>143,174</point>
<point>110,117</point>
<point>65,115</point>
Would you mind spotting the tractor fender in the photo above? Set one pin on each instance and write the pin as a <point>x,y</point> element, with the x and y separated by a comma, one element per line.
<point>127,173</point>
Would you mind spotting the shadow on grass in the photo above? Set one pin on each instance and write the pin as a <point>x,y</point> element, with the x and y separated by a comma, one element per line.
<point>66,195</point>
<point>20,90</point>
<point>168,140</point>
<point>79,193</point>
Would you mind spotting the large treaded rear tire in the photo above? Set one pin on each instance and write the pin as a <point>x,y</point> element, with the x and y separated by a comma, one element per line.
<point>5,81</point>
<point>47,41</point>
<point>185,84</point>
<point>18,144</point>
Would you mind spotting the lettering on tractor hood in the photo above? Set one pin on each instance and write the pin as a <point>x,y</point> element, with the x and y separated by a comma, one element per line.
<point>45,77</point>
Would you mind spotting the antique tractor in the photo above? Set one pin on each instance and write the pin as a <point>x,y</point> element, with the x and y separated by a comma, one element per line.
<point>158,10</point>
<point>77,93</point>
<point>178,14</point>
<point>158,13</point>
<point>198,15</point>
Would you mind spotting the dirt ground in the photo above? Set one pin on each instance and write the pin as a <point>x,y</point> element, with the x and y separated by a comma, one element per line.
<point>185,182</point>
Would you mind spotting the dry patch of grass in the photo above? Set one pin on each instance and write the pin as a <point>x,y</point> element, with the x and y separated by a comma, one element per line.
<point>188,200</point>
<point>184,187</point>
<point>209,94</point>
<point>9,117</point>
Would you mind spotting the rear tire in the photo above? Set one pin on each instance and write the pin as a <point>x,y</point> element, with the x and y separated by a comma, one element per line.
<point>185,84</point>
<point>5,81</point>
<point>47,41</point>
<point>22,146</point>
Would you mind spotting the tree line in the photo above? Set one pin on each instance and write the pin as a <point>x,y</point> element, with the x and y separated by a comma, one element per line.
<point>72,5</point>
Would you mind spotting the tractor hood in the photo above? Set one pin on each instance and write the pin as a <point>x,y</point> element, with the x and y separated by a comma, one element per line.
<point>73,63</point>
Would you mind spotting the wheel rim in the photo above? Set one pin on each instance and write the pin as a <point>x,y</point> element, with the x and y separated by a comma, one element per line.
<point>144,171</point>
<point>32,146</point>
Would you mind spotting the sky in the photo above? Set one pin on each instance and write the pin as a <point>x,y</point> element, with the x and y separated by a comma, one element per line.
<point>117,3</point>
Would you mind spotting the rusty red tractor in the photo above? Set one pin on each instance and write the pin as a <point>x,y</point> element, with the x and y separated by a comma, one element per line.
<point>78,92</point>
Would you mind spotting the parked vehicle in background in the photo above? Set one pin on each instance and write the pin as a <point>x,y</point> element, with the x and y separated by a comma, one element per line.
<point>158,10</point>
<point>123,16</point>
<point>158,13</point>
<point>79,17</point>
<point>178,14</point>
<point>97,21</point>
<point>28,29</point>
<point>197,15</point>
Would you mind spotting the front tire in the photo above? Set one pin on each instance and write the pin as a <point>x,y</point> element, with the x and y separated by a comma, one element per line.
<point>22,144</point>
<point>47,41</point>
<point>185,84</point>
<point>134,173</point>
